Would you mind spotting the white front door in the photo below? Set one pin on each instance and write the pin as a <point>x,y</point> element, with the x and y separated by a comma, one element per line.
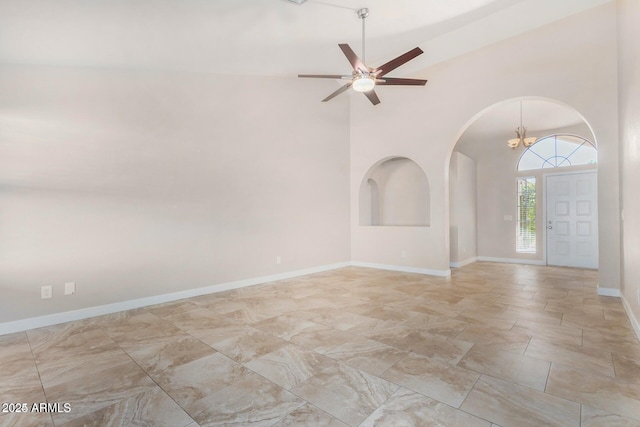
<point>572,220</point>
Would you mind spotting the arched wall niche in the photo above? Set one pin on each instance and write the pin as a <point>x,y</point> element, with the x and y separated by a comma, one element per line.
<point>395,192</point>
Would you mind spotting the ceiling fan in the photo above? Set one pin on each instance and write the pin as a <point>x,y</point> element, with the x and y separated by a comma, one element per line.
<point>363,78</point>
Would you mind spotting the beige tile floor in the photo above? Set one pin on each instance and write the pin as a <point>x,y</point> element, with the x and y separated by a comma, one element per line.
<point>494,345</point>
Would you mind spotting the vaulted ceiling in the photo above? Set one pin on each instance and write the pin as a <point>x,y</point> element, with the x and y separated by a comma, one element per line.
<point>278,38</point>
<point>259,37</point>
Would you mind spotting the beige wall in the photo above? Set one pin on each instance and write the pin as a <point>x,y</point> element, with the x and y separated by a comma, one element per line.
<point>572,61</point>
<point>629,85</point>
<point>462,209</point>
<point>134,184</point>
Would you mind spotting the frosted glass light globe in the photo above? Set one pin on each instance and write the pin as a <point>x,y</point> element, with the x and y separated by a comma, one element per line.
<point>363,84</point>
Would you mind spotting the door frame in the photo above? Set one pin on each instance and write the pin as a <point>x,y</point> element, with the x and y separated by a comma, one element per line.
<point>544,206</point>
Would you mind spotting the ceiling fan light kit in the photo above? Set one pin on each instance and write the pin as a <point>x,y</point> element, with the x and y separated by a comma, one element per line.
<point>364,79</point>
<point>363,83</point>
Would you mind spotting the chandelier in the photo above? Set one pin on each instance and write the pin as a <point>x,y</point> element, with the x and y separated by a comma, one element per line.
<point>521,133</point>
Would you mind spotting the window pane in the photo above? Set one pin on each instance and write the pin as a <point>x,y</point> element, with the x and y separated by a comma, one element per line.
<point>558,151</point>
<point>526,223</point>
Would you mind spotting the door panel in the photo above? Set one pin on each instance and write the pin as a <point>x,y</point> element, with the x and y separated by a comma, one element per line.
<point>572,220</point>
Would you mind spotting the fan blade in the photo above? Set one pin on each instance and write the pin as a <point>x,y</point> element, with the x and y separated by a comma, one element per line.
<point>356,62</point>
<point>324,76</point>
<point>389,81</point>
<point>395,63</point>
<point>373,96</point>
<point>337,92</point>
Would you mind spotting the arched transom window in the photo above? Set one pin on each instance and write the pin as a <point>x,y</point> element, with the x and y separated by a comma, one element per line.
<point>557,151</point>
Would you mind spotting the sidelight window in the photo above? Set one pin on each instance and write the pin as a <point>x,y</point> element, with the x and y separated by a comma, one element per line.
<point>526,222</point>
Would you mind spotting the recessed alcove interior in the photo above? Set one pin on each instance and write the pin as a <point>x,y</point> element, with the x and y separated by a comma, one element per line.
<point>395,192</point>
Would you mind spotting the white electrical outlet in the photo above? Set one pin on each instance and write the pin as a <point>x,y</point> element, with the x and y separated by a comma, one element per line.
<point>46,292</point>
<point>70,288</point>
<point>403,254</point>
<point>278,259</point>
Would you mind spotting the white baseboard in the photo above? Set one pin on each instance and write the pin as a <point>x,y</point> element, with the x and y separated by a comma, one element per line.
<point>635,323</point>
<point>441,273</point>
<point>608,292</point>
<point>467,261</point>
<point>84,313</point>
<point>512,260</point>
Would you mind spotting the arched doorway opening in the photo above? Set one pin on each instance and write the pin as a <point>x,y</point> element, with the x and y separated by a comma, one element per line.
<point>501,207</point>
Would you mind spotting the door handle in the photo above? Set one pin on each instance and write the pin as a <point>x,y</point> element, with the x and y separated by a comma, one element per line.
<point>550,227</point>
